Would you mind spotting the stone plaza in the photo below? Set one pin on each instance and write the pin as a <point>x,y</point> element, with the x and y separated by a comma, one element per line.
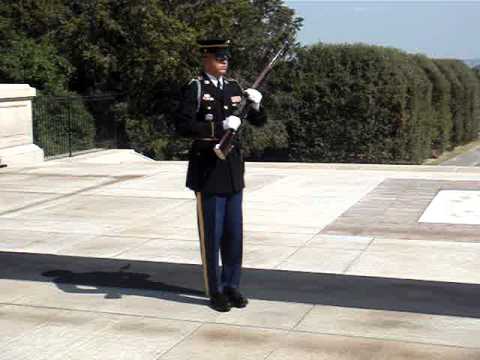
<point>100,259</point>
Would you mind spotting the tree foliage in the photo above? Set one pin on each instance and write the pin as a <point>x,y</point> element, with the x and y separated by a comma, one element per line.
<point>325,102</point>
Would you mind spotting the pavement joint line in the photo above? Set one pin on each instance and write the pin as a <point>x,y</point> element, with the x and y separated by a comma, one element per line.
<point>63,196</point>
<point>288,257</point>
<point>151,316</point>
<point>349,266</point>
<point>303,246</point>
<point>202,323</point>
<point>100,312</point>
<point>180,341</point>
<point>303,317</point>
<point>144,316</point>
<point>269,354</point>
<point>385,339</point>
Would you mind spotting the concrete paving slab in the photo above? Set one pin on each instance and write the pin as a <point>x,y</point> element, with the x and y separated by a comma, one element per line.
<point>112,156</point>
<point>342,238</point>
<point>168,185</point>
<point>300,216</point>
<point>47,184</point>
<point>12,290</point>
<point>226,342</point>
<point>17,321</point>
<point>266,257</point>
<point>175,251</point>
<point>320,260</point>
<point>164,305</point>
<point>18,238</point>
<point>188,252</point>
<point>305,346</point>
<point>12,200</point>
<point>272,238</point>
<point>41,242</point>
<point>281,228</point>
<point>58,331</point>
<point>66,296</point>
<point>154,228</point>
<point>340,242</point>
<point>151,228</point>
<point>393,325</point>
<point>106,207</point>
<point>101,246</point>
<point>113,300</point>
<point>410,259</point>
<point>72,168</point>
<point>131,338</point>
<point>266,314</point>
<point>80,335</point>
<point>62,224</point>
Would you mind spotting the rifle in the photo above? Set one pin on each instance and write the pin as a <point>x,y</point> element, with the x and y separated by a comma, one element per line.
<point>223,148</point>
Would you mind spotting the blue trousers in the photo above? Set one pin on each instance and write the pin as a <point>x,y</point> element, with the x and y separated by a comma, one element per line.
<point>220,227</point>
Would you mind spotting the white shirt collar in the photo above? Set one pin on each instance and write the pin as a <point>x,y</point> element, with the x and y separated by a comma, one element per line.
<point>214,80</point>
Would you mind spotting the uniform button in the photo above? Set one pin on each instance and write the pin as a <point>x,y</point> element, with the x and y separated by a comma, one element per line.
<point>225,107</point>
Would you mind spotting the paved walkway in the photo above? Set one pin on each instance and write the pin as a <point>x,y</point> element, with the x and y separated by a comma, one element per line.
<point>99,259</point>
<point>470,158</point>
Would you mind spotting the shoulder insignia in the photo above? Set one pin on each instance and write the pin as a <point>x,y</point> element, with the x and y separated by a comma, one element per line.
<point>191,81</point>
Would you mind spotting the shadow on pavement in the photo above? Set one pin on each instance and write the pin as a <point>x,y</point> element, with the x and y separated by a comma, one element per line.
<point>179,282</point>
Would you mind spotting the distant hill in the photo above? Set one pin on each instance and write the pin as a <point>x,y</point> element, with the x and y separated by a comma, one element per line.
<point>472,62</point>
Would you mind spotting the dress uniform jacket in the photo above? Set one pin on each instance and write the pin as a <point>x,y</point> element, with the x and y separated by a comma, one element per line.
<point>202,111</point>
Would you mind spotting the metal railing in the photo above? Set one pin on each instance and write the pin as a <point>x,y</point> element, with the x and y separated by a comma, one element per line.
<point>63,126</point>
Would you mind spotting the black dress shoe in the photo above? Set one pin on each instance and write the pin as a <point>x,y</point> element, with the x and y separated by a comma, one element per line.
<point>219,302</point>
<point>235,297</point>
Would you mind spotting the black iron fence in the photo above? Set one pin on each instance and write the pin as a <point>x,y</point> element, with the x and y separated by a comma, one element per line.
<point>63,126</point>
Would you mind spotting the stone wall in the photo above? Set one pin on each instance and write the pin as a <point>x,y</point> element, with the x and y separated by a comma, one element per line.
<point>16,133</point>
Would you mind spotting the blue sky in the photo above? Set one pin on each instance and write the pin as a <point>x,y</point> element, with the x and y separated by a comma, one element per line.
<point>445,29</point>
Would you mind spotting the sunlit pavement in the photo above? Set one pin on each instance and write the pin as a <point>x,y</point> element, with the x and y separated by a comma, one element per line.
<point>100,260</point>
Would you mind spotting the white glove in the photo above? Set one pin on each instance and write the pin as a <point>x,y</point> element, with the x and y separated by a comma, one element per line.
<point>255,97</point>
<point>232,122</point>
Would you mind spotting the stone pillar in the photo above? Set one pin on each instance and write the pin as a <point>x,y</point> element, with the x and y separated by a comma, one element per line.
<point>16,132</point>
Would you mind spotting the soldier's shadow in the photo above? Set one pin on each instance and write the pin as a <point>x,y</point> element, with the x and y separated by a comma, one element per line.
<point>119,283</point>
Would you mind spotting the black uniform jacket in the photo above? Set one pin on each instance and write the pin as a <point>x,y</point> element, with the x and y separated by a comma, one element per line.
<point>200,117</point>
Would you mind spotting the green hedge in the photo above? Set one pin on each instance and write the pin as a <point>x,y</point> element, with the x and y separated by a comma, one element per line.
<point>441,126</point>
<point>463,104</point>
<point>360,103</point>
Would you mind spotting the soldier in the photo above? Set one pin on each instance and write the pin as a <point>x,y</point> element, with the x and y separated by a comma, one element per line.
<point>205,113</point>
